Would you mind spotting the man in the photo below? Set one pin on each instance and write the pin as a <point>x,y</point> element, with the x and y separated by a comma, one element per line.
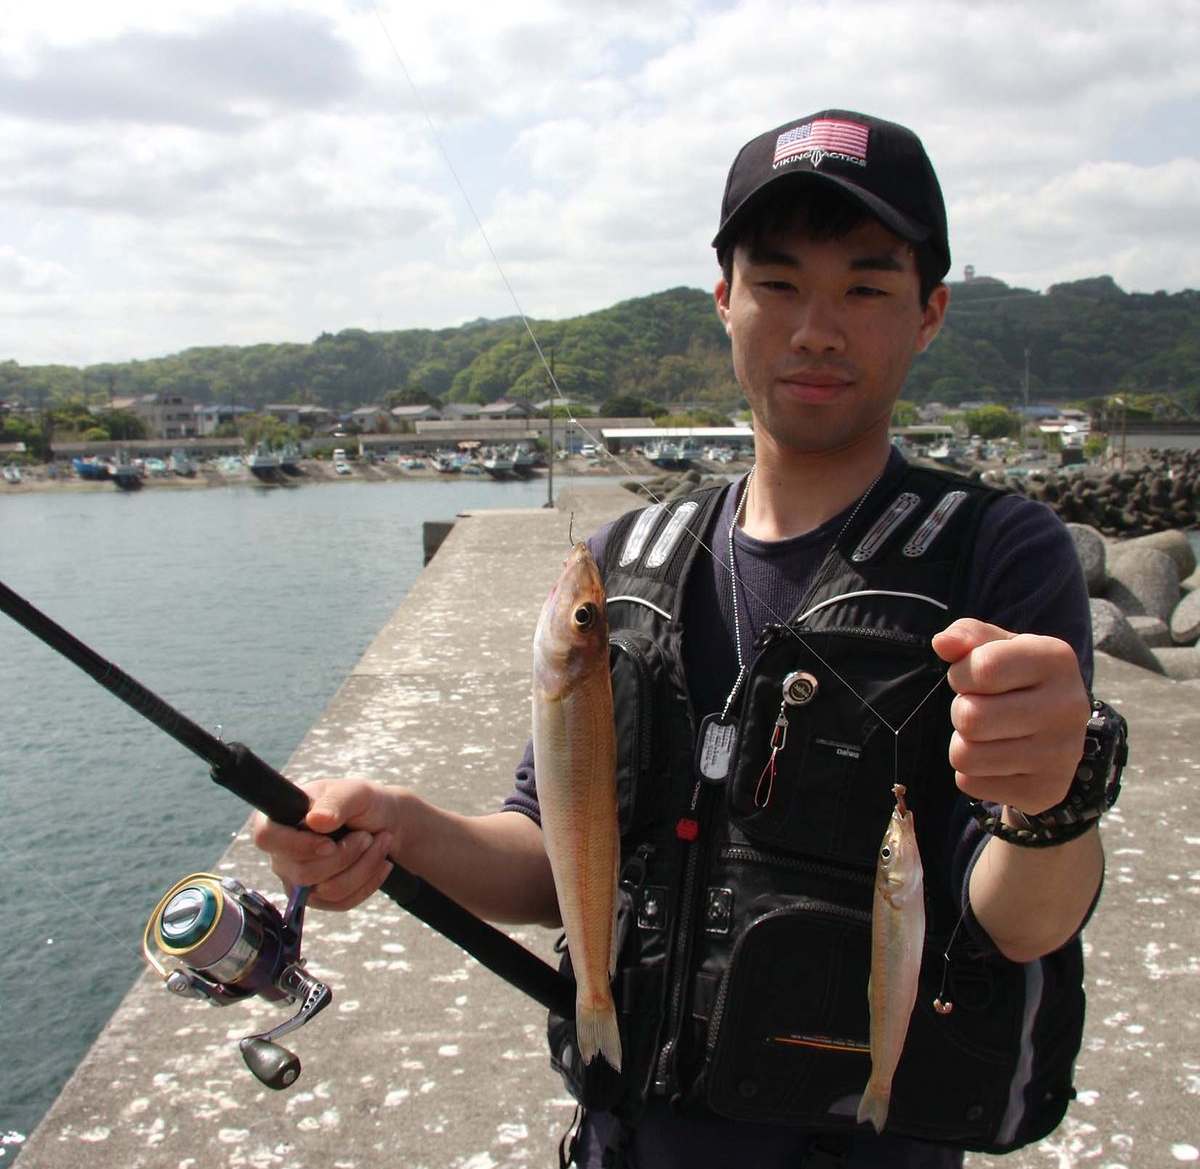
<point>751,822</point>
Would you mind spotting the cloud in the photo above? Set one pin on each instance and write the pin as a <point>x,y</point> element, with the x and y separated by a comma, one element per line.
<point>211,171</point>
<point>1134,216</point>
<point>26,274</point>
<point>226,76</point>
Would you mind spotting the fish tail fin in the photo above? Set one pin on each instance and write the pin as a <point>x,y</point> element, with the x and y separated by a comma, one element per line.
<point>873,1107</point>
<point>598,1033</point>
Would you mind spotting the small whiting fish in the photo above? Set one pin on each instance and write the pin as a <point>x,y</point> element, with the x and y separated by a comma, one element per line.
<point>574,747</point>
<point>897,938</point>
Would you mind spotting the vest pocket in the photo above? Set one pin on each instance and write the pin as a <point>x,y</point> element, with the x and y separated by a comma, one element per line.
<point>789,1035</point>
<point>789,1038</point>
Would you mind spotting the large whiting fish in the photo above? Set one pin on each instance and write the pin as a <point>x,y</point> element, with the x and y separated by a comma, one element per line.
<point>897,938</point>
<point>574,747</point>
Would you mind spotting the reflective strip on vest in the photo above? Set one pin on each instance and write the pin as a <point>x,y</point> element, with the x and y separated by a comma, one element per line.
<point>934,522</point>
<point>885,526</point>
<point>640,533</point>
<point>665,544</point>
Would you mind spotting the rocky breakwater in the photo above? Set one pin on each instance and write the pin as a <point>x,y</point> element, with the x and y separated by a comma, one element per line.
<point>1145,591</point>
<point>1160,494</point>
<point>673,486</point>
<point>1145,599</point>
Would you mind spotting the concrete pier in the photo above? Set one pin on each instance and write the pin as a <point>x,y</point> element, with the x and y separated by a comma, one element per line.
<point>425,1059</point>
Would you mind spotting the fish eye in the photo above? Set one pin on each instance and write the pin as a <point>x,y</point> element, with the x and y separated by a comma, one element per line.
<point>885,853</point>
<point>585,615</point>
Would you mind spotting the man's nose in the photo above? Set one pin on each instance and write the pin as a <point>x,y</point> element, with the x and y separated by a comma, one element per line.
<point>817,327</point>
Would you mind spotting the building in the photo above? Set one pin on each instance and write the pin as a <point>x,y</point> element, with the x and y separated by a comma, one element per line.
<point>301,414</point>
<point>370,419</point>
<point>208,418</point>
<point>167,415</point>
<point>503,408</point>
<point>409,416</point>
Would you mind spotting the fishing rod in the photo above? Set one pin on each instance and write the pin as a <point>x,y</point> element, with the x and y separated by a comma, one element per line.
<point>209,937</point>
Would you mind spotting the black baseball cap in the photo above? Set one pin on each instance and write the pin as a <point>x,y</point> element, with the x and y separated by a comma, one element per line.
<point>881,165</point>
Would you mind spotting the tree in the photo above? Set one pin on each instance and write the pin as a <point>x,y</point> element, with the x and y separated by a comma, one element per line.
<point>256,428</point>
<point>412,395</point>
<point>121,424</point>
<point>629,406</point>
<point>992,422</point>
<point>904,413</point>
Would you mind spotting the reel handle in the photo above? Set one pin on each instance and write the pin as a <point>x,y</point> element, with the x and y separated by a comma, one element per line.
<point>272,1065</point>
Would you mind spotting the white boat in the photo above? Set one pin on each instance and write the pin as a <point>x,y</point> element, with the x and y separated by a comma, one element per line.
<point>12,473</point>
<point>498,463</point>
<point>264,463</point>
<point>289,460</point>
<point>126,476</point>
<point>665,454</point>
<point>525,459</point>
<point>181,463</point>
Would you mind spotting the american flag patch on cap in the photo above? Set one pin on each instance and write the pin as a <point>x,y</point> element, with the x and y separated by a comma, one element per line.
<point>823,136</point>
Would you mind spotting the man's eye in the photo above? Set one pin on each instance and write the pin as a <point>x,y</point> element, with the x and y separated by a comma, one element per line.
<point>867,290</point>
<point>776,285</point>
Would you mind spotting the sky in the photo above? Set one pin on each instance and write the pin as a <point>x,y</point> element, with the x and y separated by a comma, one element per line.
<point>206,172</point>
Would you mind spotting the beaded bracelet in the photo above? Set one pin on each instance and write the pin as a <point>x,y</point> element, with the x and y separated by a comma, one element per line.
<point>1031,833</point>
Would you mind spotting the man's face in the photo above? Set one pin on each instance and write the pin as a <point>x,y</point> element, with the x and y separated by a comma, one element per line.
<point>824,331</point>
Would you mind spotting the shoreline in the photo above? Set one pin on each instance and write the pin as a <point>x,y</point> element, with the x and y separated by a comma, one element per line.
<point>36,480</point>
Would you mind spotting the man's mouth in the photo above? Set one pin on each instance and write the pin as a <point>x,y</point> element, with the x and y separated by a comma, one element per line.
<point>814,386</point>
<point>815,377</point>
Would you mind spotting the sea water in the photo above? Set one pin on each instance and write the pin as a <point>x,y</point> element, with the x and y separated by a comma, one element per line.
<point>243,607</point>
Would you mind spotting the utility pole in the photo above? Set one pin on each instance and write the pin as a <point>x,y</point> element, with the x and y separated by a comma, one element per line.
<point>1026,377</point>
<point>550,464</point>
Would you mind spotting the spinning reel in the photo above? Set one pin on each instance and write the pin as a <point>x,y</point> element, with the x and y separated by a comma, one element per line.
<point>212,938</point>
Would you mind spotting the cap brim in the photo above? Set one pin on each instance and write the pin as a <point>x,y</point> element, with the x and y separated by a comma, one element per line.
<point>892,219</point>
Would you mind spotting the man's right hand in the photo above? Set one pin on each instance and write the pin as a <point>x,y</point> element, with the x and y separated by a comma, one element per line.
<point>344,873</point>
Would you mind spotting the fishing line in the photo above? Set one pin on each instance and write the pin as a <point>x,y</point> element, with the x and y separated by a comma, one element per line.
<point>649,493</point>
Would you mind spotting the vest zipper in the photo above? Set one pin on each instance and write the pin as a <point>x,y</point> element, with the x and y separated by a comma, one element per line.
<point>681,959</point>
<point>801,904</point>
<point>774,631</point>
<point>757,856</point>
<point>645,699</point>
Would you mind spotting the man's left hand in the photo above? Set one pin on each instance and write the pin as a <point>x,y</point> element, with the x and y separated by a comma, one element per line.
<point>1019,714</point>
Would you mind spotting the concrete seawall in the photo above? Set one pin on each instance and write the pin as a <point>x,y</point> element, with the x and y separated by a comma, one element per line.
<point>425,1059</point>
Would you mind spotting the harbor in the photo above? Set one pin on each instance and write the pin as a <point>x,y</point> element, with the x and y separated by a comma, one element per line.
<point>426,1059</point>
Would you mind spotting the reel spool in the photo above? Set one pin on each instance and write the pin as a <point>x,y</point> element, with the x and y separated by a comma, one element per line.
<point>212,938</point>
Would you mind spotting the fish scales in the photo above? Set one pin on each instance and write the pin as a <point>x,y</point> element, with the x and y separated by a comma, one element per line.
<point>574,747</point>
<point>897,940</point>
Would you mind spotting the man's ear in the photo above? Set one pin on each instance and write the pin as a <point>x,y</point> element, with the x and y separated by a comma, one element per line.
<point>933,317</point>
<point>721,300</point>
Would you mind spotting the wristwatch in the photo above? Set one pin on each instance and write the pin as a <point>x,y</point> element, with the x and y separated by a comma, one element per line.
<point>1094,789</point>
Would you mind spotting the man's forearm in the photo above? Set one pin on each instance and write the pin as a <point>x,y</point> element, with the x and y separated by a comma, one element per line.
<point>495,866</point>
<point>1032,900</point>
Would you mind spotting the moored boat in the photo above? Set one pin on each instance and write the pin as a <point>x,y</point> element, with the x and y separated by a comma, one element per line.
<point>289,460</point>
<point>125,475</point>
<point>91,468</point>
<point>525,460</point>
<point>498,463</point>
<point>264,463</point>
<point>668,455</point>
<point>181,464</point>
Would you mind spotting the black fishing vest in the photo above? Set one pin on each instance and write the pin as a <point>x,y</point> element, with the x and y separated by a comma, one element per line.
<point>745,919</point>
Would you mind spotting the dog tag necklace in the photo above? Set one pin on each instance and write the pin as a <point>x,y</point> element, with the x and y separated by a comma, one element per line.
<point>718,732</point>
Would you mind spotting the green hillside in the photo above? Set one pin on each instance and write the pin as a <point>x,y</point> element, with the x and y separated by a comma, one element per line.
<point>1084,339</point>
